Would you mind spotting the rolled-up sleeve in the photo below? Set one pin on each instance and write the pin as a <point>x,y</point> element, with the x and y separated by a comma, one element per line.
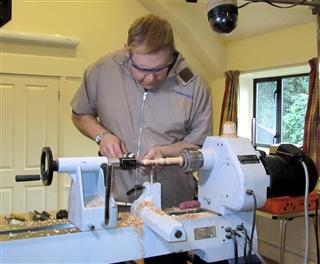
<point>84,100</point>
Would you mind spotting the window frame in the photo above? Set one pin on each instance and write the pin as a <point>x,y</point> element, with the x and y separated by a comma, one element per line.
<point>278,94</point>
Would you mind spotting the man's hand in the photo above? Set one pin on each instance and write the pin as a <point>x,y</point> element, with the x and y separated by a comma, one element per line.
<point>112,147</point>
<point>172,150</point>
<point>155,153</point>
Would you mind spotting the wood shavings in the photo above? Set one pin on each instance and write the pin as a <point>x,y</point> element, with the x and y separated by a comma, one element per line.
<point>186,217</point>
<point>30,224</point>
<point>94,201</point>
<point>184,214</point>
<point>21,231</point>
<point>11,235</point>
<point>127,219</point>
<point>151,206</point>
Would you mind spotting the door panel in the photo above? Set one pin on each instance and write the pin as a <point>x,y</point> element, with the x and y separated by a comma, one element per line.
<point>6,147</point>
<point>29,121</point>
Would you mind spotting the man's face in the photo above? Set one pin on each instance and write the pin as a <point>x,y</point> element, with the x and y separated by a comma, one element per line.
<point>150,69</point>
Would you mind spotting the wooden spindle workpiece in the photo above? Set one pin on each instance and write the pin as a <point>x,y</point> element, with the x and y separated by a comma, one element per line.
<point>162,161</point>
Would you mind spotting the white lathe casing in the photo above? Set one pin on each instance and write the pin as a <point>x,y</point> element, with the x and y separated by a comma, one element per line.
<point>87,181</point>
<point>231,167</point>
<point>148,208</point>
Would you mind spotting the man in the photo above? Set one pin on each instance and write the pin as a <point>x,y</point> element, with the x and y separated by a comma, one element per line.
<point>145,99</point>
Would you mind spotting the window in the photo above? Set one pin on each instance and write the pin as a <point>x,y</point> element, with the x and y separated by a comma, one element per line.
<point>280,105</point>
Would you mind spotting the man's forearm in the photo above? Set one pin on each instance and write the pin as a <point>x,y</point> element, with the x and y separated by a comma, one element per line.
<point>174,150</point>
<point>88,125</point>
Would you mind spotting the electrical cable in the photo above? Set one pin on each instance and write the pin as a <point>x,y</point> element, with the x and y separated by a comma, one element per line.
<point>290,6</point>
<point>240,234</point>
<point>232,234</point>
<point>317,227</point>
<point>245,249</point>
<point>243,5</point>
<point>245,238</point>
<point>251,192</point>
<point>243,232</point>
<point>306,215</point>
<point>235,245</point>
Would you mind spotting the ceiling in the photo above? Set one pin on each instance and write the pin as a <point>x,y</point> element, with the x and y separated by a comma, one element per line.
<point>190,24</point>
<point>258,18</point>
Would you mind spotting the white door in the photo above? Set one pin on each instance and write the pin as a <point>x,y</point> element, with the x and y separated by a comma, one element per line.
<point>28,121</point>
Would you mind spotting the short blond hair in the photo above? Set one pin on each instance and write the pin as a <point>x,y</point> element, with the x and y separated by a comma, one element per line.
<point>150,33</point>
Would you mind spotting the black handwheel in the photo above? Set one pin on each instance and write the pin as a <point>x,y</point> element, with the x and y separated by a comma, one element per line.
<point>47,166</point>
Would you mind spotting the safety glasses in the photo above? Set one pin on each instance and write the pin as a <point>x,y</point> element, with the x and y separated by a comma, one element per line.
<point>150,70</point>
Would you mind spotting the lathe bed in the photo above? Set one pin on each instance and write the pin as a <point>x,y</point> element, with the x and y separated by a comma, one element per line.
<point>129,241</point>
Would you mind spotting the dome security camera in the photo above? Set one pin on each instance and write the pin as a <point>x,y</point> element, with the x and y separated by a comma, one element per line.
<point>222,15</point>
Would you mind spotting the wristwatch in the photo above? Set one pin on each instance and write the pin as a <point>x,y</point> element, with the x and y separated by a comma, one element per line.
<point>100,136</point>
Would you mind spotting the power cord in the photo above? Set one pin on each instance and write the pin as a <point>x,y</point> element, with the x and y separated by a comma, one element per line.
<point>231,235</point>
<point>317,226</point>
<point>245,4</point>
<point>306,214</point>
<point>272,4</point>
<point>290,6</point>
<point>242,231</point>
<point>251,192</point>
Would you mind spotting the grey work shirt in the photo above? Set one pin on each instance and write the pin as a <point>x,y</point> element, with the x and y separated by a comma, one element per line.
<point>178,109</point>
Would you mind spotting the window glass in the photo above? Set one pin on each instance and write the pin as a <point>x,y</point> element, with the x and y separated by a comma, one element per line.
<point>294,106</point>
<point>266,113</point>
<point>280,105</point>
